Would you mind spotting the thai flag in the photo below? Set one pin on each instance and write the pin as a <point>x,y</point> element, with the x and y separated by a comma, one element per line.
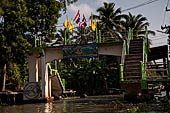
<point>84,22</point>
<point>77,18</point>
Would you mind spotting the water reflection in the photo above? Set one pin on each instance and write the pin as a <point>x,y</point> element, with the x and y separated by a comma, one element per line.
<point>97,105</point>
<point>48,107</point>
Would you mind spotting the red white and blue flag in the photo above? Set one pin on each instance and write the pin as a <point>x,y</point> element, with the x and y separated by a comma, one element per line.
<point>84,22</point>
<point>77,18</point>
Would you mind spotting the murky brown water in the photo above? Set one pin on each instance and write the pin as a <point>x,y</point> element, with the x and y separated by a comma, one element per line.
<point>104,104</point>
<point>80,105</point>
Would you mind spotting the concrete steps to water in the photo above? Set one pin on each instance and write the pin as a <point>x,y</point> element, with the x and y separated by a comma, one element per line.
<point>134,57</point>
<point>132,61</point>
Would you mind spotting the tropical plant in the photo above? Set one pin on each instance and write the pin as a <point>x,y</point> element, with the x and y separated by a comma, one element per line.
<point>137,24</point>
<point>3,3</point>
<point>109,20</point>
<point>43,17</point>
<point>83,35</point>
<point>13,45</point>
<point>90,75</point>
<point>20,21</point>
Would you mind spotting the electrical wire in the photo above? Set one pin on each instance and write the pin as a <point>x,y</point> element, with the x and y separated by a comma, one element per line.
<point>140,5</point>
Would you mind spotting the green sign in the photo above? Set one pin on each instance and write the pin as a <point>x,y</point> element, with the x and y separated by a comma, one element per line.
<point>77,51</point>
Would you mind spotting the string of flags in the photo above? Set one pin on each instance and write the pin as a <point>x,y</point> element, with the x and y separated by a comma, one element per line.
<point>82,24</point>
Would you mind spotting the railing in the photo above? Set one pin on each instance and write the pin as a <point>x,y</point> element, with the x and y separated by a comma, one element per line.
<point>62,82</point>
<point>145,56</point>
<point>158,71</point>
<point>144,61</point>
<point>96,36</point>
<point>125,50</point>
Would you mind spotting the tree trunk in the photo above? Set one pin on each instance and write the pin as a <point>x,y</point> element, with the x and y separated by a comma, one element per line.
<point>4,77</point>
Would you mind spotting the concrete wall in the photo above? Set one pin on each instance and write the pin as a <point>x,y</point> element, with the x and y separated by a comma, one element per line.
<point>38,66</point>
<point>114,49</point>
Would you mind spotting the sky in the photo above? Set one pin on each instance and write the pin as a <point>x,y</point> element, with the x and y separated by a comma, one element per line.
<point>154,12</point>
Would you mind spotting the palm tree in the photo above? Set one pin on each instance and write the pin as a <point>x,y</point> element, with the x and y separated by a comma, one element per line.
<point>137,23</point>
<point>109,19</point>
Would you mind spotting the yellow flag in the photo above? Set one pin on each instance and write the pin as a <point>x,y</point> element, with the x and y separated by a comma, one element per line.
<point>91,21</point>
<point>94,25</point>
<point>95,22</point>
<point>66,23</point>
<point>71,26</point>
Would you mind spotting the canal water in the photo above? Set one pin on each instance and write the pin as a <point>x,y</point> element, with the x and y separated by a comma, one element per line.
<point>95,104</point>
<point>99,104</point>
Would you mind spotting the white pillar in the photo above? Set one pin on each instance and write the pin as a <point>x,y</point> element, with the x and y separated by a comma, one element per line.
<point>49,86</point>
<point>44,71</point>
<point>36,72</point>
<point>33,69</point>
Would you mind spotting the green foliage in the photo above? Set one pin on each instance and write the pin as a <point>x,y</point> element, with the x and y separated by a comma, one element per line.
<point>3,104</point>
<point>17,76</point>
<point>43,17</point>
<point>109,20</point>
<point>132,110</point>
<point>13,45</point>
<point>21,20</point>
<point>116,25</point>
<point>137,23</point>
<point>3,4</point>
<point>88,74</point>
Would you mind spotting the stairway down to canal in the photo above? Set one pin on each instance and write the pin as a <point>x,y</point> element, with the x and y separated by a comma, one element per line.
<point>140,71</point>
<point>132,61</point>
<point>131,74</point>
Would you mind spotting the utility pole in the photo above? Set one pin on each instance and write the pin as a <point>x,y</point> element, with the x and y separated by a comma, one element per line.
<point>167,9</point>
<point>167,85</point>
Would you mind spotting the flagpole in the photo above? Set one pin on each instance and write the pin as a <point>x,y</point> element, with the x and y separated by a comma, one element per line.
<point>69,37</point>
<point>65,37</point>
